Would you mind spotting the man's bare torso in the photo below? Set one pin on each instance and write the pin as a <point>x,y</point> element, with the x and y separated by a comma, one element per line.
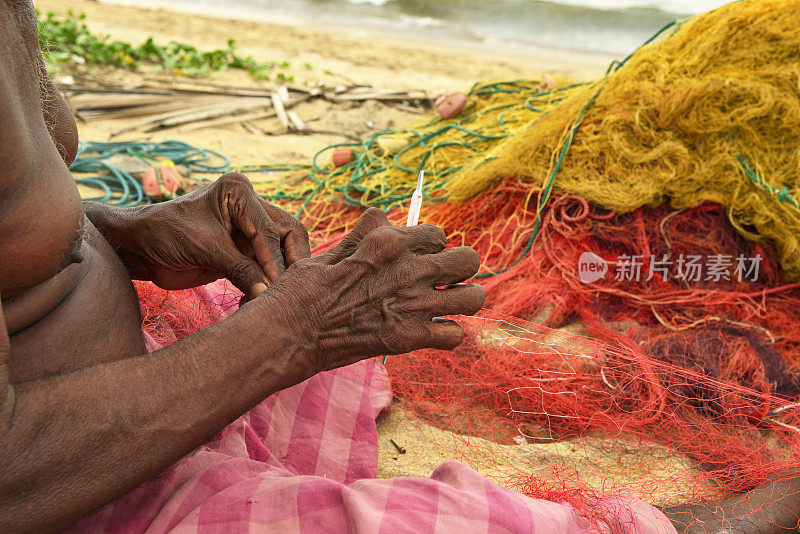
<point>85,314</point>
<point>67,299</point>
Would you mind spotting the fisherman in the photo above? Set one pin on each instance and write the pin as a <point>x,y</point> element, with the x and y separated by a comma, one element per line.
<point>86,415</point>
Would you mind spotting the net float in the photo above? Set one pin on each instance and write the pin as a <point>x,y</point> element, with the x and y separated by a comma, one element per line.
<point>548,83</point>
<point>450,104</point>
<point>342,156</point>
<point>161,180</point>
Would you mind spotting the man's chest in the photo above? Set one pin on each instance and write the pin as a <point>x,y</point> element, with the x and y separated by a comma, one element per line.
<point>87,314</point>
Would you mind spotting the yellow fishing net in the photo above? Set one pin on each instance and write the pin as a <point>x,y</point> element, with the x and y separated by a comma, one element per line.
<point>710,111</point>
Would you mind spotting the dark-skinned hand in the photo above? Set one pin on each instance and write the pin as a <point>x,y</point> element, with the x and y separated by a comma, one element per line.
<point>380,291</point>
<point>221,230</point>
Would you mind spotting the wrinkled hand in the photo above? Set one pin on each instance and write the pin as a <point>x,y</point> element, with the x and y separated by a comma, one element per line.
<point>380,291</point>
<point>221,230</point>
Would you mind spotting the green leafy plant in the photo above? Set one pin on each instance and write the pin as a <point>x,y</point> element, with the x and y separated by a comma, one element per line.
<point>68,39</point>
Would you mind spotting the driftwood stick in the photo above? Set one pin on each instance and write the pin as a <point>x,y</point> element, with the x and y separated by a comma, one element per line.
<point>151,111</point>
<point>239,118</point>
<point>349,97</point>
<point>253,129</point>
<point>280,110</point>
<point>142,123</point>
<point>163,116</point>
<point>87,101</point>
<point>226,120</point>
<point>297,123</point>
<point>235,106</point>
<point>190,105</point>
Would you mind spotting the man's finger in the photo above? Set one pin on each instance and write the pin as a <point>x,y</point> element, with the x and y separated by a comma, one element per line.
<point>461,299</point>
<point>249,217</point>
<point>444,334</point>
<point>458,299</point>
<point>246,274</point>
<point>372,219</point>
<point>294,235</point>
<point>425,238</point>
<point>452,266</point>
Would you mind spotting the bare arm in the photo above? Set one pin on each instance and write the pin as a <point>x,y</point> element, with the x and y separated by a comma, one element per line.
<point>73,442</point>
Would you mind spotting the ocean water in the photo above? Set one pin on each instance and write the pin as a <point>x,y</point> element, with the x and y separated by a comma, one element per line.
<point>607,26</point>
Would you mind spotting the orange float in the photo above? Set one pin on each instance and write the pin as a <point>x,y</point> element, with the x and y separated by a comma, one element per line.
<point>169,183</point>
<point>342,156</point>
<point>449,105</point>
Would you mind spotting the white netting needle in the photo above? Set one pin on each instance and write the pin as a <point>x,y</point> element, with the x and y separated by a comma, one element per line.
<point>413,211</point>
<point>416,202</point>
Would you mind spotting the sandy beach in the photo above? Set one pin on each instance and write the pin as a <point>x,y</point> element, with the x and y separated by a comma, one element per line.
<point>343,56</point>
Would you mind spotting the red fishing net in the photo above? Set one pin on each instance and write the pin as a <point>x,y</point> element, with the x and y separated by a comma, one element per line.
<point>656,377</point>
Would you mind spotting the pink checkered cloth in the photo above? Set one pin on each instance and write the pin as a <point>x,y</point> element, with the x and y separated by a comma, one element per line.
<point>305,460</point>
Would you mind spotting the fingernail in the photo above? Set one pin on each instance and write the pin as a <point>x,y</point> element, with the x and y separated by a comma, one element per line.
<point>453,286</point>
<point>258,288</point>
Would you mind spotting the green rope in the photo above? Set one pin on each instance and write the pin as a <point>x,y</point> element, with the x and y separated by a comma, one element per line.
<point>120,187</point>
<point>782,194</point>
<point>354,191</point>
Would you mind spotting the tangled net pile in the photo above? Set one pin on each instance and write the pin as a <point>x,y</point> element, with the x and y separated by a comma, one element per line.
<point>687,149</point>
